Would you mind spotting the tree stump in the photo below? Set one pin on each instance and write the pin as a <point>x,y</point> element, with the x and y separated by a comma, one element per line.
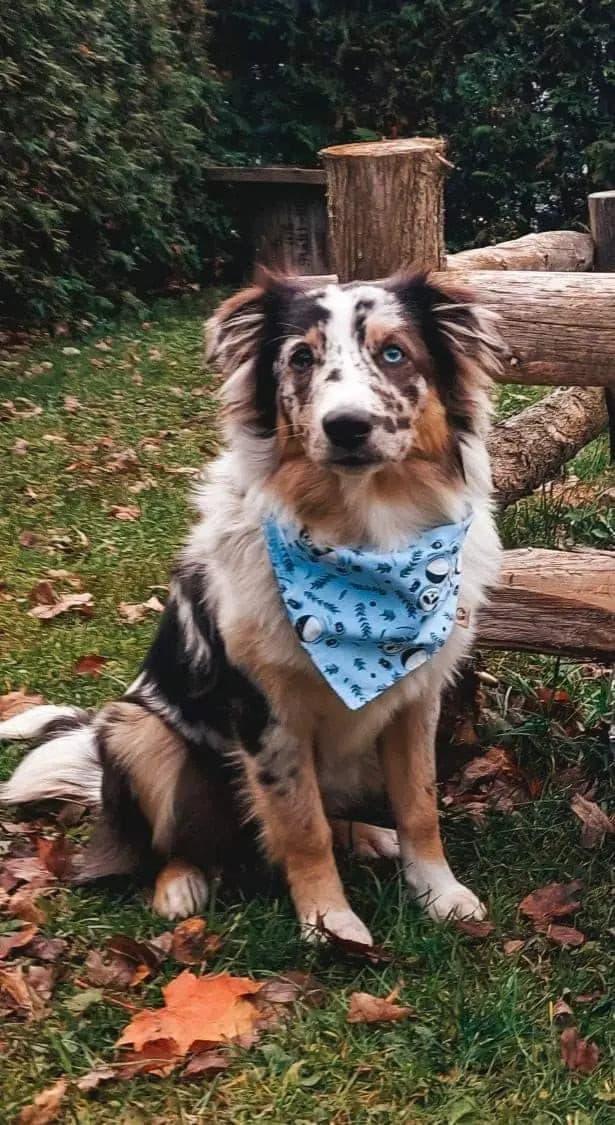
<point>386,208</point>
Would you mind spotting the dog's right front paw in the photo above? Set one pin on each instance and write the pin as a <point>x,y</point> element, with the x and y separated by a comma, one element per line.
<point>343,924</point>
<point>181,890</point>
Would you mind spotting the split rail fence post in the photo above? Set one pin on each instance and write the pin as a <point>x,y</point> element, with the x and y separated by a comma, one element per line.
<point>602,225</point>
<point>386,206</point>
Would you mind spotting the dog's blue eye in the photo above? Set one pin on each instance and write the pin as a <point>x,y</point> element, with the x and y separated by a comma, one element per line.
<point>393,354</point>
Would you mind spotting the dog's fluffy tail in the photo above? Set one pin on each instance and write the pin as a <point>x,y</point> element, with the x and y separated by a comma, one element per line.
<point>65,764</point>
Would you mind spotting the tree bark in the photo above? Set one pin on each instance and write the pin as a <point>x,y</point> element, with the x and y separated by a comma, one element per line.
<point>560,602</point>
<point>529,448</point>
<point>561,250</point>
<point>560,327</point>
<point>386,209</point>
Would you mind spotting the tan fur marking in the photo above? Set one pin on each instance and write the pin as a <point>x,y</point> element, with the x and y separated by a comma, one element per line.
<point>152,755</point>
<point>432,434</point>
<point>408,758</point>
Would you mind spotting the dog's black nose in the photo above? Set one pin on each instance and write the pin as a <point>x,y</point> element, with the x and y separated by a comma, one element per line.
<point>347,429</point>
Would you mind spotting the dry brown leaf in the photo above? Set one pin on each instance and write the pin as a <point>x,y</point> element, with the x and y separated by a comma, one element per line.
<point>41,979</point>
<point>47,949</point>
<point>16,702</point>
<point>23,904</point>
<point>578,1054</point>
<point>20,447</point>
<point>115,972</point>
<point>28,539</point>
<point>57,855</point>
<point>46,1105</point>
<point>125,512</point>
<point>555,900</point>
<point>596,824</point>
<point>71,404</point>
<point>142,955</point>
<point>206,1063</point>
<point>474,927</point>
<point>136,611</point>
<point>512,946</point>
<point>17,996</point>
<point>26,869</point>
<point>191,945</point>
<point>42,594</point>
<point>564,935</point>
<point>25,409</point>
<point>374,954</point>
<point>365,1008</point>
<point>207,1010</point>
<point>16,940</point>
<point>94,1078</point>
<point>561,1011</point>
<point>82,603</point>
<point>90,665</point>
<point>294,986</point>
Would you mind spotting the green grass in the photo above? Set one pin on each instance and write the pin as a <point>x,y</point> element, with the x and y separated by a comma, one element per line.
<point>482,1047</point>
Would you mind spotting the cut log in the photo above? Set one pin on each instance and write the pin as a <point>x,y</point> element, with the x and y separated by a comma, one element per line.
<point>560,327</point>
<point>561,250</point>
<point>529,448</point>
<point>556,602</point>
<point>386,209</point>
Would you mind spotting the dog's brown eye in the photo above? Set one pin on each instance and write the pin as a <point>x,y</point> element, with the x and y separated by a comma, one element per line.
<point>302,358</point>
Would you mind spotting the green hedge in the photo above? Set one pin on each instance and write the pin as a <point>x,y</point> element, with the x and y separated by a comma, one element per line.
<point>110,108</point>
<point>524,90</point>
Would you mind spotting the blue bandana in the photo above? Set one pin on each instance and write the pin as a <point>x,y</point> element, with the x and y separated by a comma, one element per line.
<point>367,619</point>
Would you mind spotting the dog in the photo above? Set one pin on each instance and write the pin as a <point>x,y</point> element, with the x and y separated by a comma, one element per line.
<point>356,417</point>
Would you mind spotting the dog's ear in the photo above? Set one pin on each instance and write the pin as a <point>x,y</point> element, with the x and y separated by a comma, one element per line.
<point>461,336</point>
<point>234,333</point>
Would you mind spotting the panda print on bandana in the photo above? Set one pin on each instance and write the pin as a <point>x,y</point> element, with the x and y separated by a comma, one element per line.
<point>366,618</point>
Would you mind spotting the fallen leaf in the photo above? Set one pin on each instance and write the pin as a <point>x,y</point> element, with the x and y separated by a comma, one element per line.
<point>81,1001</point>
<point>205,1062</point>
<point>294,986</point>
<point>209,1009</point>
<point>46,1105</point>
<point>80,602</point>
<point>374,954</point>
<point>125,512</point>
<point>564,935</point>
<point>17,996</point>
<point>16,702</point>
<point>577,1053</point>
<point>365,1008</point>
<point>41,979</point>
<point>191,945</point>
<point>28,539</point>
<point>23,904</point>
<point>94,1078</point>
<point>90,665</point>
<point>107,972</point>
<point>17,939</point>
<point>42,594</point>
<point>144,957</point>
<point>26,409</point>
<point>555,900</point>
<point>474,927</point>
<point>71,404</point>
<point>512,946</point>
<point>57,854</point>
<point>20,447</point>
<point>47,949</point>
<point>136,611</point>
<point>26,869</point>
<point>561,1010</point>
<point>71,351</point>
<point>596,824</point>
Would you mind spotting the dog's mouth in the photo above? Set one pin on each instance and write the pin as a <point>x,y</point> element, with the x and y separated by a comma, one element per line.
<point>354,462</point>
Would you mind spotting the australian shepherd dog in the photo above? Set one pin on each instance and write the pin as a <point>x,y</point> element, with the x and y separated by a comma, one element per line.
<point>357,415</point>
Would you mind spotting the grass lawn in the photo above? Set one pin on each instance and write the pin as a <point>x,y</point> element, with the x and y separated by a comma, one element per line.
<point>484,1045</point>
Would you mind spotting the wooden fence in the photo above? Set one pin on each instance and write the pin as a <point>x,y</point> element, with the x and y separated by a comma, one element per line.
<point>377,208</point>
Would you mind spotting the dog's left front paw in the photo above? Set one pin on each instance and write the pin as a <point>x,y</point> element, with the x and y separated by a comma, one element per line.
<point>456,901</point>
